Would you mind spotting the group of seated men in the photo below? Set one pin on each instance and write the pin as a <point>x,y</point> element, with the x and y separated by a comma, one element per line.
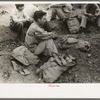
<point>37,39</point>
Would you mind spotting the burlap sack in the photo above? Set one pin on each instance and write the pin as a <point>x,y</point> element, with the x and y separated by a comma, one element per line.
<point>73,25</point>
<point>23,55</point>
<point>83,45</point>
<point>51,70</point>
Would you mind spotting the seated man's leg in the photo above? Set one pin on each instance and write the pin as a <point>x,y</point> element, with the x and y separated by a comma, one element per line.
<point>27,24</point>
<point>83,22</point>
<point>98,21</point>
<point>60,13</point>
<point>53,13</point>
<point>18,27</point>
<point>50,46</point>
<point>46,45</point>
<point>40,48</point>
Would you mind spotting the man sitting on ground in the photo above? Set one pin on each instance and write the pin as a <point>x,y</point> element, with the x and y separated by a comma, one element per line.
<point>91,13</point>
<point>19,19</point>
<point>61,10</point>
<point>38,40</point>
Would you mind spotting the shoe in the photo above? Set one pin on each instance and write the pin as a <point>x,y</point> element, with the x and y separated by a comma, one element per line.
<point>82,28</point>
<point>24,72</point>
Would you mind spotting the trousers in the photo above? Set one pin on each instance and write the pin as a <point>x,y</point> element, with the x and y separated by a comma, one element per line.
<point>60,13</point>
<point>19,28</point>
<point>47,47</point>
<point>85,19</point>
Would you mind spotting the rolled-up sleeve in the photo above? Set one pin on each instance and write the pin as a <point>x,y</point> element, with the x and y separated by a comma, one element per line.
<point>41,34</point>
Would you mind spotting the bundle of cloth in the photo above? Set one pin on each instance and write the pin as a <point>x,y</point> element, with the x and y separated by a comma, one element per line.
<point>55,66</point>
<point>24,56</point>
<point>73,41</point>
<point>73,25</point>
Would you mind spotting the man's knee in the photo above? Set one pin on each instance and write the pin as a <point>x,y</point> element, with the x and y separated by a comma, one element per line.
<point>50,40</point>
<point>50,43</point>
<point>20,24</point>
<point>61,14</point>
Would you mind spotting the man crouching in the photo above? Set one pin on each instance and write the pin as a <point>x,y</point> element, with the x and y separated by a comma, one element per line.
<point>38,40</point>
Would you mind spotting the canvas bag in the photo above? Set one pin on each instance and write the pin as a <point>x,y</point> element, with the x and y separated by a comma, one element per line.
<point>24,56</point>
<point>73,25</point>
<point>83,45</point>
<point>67,41</point>
<point>51,70</point>
<point>72,41</point>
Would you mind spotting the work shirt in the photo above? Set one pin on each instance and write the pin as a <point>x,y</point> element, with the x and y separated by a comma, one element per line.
<point>91,9</point>
<point>36,34</point>
<point>17,15</point>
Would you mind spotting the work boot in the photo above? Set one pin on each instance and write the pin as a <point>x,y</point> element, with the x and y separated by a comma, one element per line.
<point>81,29</point>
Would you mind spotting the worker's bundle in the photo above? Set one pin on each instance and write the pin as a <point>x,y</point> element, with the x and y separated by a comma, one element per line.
<point>56,65</point>
<point>72,41</point>
<point>24,56</point>
<point>73,25</point>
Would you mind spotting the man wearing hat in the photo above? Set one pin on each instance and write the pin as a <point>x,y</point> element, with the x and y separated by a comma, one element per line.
<point>19,19</point>
<point>38,40</point>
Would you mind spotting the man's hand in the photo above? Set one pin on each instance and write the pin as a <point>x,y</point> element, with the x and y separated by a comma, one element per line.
<point>29,19</point>
<point>54,36</point>
<point>90,15</point>
<point>96,15</point>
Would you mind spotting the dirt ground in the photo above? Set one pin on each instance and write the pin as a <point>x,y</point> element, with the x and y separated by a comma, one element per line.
<point>87,69</point>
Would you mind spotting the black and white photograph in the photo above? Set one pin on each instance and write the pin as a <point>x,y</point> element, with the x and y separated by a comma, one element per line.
<point>49,42</point>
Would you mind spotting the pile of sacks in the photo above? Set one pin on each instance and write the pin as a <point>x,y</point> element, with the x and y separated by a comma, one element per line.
<point>73,41</point>
<point>54,67</point>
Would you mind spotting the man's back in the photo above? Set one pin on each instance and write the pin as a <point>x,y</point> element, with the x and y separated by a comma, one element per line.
<point>30,38</point>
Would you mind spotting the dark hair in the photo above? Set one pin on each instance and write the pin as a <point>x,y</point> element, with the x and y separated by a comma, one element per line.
<point>19,5</point>
<point>39,14</point>
<point>90,5</point>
